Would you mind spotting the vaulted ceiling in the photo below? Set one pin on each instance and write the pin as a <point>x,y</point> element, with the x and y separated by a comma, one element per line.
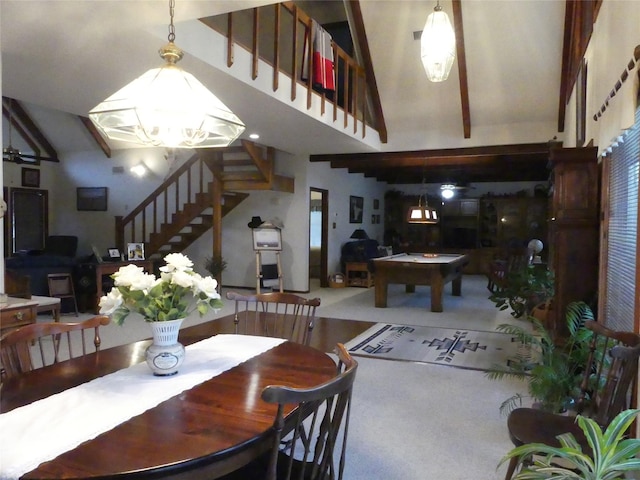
<point>68,55</point>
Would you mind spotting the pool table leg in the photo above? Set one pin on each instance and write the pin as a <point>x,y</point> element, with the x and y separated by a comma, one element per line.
<point>456,286</point>
<point>380,292</point>
<point>437,291</point>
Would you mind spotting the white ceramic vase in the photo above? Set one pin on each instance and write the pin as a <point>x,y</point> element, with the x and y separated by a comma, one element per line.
<point>165,355</point>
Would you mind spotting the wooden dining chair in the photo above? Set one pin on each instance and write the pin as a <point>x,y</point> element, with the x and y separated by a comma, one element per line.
<point>39,344</point>
<point>311,443</point>
<point>609,373</point>
<point>511,260</point>
<point>283,315</point>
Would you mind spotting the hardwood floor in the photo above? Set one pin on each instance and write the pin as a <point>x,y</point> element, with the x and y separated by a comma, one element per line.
<point>326,333</point>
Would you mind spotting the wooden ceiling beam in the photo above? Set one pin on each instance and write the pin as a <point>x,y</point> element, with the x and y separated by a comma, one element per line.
<point>93,131</point>
<point>462,67</point>
<point>28,130</point>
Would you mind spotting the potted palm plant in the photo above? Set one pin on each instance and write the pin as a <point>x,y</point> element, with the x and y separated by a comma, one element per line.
<point>553,372</point>
<point>523,289</point>
<point>611,457</point>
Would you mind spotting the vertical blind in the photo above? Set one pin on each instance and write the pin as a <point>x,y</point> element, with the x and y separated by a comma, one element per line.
<point>623,230</point>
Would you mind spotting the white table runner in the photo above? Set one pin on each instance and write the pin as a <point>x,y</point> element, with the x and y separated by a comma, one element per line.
<point>42,430</point>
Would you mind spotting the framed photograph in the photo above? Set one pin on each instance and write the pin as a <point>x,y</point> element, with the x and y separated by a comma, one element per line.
<point>135,251</point>
<point>91,199</point>
<point>376,204</point>
<point>356,207</point>
<point>31,177</point>
<point>267,239</point>
<point>373,219</point>
<point>114,253</point>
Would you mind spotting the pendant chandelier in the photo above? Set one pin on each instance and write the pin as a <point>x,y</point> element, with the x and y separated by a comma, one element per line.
<point>438,45</point>
<point>167,107</point>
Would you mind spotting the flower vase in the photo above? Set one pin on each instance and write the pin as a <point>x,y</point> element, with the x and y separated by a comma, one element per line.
<point>165,355</point>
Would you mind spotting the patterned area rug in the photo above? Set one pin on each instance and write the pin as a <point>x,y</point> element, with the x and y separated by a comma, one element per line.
<point>469,349</point>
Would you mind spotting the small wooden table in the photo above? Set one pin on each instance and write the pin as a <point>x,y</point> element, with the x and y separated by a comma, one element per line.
<point>109,268</point>
<point>362,278</point>
<point>414,269</point>
<point>17,312</point>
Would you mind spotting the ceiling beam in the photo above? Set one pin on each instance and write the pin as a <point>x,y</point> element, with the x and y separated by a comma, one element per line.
<point>462,67</point>
<point>93,131</point>
<point>28,130</point>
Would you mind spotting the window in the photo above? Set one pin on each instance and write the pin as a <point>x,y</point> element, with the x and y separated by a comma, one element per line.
<point>622,230</point>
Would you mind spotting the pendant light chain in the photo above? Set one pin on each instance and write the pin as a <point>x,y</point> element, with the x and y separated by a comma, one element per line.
<point>172,29</point>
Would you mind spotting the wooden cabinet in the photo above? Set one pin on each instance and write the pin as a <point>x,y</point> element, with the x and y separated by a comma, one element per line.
<point>358,275</point>
<point>460,223</point>
<point>513,221</point>
<point>574,230</point>
<point>16,313</point>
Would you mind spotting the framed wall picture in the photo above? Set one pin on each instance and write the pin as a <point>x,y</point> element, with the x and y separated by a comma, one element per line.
<point>31,177</point>
<point>356,207</point>
<point>267,239</point>
<point>376,204</point>
<point>91,199</point>
<point>135,251</point>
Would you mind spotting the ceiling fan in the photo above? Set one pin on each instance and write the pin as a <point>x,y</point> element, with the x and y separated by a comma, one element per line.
<point>449,190</point>
<point>12,154</point>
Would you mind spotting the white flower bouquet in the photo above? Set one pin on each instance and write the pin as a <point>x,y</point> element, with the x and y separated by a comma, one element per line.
<point>177,293</point>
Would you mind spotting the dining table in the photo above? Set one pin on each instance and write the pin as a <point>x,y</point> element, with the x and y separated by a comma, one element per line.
<point>204,431</point>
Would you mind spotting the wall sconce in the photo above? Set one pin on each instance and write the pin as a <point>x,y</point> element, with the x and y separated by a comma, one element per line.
<point>139,170</point>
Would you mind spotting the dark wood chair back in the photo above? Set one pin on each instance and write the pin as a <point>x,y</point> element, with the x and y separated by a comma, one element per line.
<point>283,315</point>
<point>511,260</point>
<point>609,372</point>
<point>39,344</point>
<point>313,446</point>
<point>611,369</point>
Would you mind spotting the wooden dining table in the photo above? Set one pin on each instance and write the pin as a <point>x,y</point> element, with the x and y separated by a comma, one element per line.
<point>204,432</point>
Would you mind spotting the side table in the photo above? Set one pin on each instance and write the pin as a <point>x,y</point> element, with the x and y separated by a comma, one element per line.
<point>358,275</point>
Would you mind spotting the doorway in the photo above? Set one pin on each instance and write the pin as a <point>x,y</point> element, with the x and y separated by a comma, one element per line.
<point>318,235</point>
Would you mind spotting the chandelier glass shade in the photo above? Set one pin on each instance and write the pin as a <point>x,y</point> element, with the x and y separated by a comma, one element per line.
<point>438,45</point>
<point>167,107</point>
<point>422,214</point>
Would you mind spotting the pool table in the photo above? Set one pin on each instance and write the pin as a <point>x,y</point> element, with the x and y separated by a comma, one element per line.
<point>434,269</point>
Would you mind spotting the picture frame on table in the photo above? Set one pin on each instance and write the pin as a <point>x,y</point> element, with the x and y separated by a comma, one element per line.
<point>356,208</point>
<point>30,177</point>
<point>135,251</point>
<point>114,253</point>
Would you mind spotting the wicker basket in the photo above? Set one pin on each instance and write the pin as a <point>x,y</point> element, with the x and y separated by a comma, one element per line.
<point>337,280</point>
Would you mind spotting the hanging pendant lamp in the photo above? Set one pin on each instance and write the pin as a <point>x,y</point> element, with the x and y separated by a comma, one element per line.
<point>167,107</point>
<point>422,213</point>
<point>438,45</point>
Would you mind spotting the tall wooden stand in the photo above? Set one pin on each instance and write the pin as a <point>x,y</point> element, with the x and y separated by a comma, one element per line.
<point>259,275</point>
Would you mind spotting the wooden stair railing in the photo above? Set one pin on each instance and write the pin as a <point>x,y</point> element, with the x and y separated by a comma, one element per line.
<point>183,207</point>
<point>278,40</point>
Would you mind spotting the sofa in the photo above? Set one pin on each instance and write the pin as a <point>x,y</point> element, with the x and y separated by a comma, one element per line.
<point>58,256</point>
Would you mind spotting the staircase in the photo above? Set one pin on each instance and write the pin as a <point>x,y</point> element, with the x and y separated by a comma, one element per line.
<point>194,198</point>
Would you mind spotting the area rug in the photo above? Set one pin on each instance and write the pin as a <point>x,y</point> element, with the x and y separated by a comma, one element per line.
<point>469,349</point>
